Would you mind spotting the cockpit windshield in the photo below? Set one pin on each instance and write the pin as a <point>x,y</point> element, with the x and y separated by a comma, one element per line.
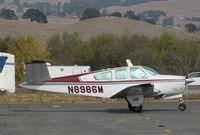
<point>151,71</point>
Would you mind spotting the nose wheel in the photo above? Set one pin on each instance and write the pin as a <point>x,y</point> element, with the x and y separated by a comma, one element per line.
<point>181,106</point>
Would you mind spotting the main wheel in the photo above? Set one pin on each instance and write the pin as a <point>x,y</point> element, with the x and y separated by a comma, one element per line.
<point>138,109</point>
<point>135,108</point>
<point>182,107</point>
<point>130,107</point>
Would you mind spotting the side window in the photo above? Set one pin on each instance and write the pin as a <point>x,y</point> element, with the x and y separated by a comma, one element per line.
<point>104,76</point>
<point>137,73</point>
<point>121,74</point>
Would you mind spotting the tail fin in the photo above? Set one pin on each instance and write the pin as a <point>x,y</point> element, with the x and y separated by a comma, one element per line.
<point>7,73</point>
<point>36,71</point>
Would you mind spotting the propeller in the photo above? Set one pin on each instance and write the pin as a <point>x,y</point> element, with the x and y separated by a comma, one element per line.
<point>187,81</point>
<point>182,106</point>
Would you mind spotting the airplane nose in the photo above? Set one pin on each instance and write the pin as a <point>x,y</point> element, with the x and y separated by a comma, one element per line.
<point>188,81</point>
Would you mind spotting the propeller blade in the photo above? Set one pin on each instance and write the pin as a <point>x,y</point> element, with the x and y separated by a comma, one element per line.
<point>188,81</point>
<point>187,92</point>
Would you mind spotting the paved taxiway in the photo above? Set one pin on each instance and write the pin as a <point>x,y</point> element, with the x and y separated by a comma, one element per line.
<point>158,118</point>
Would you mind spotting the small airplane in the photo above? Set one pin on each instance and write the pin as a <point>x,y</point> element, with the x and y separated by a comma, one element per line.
<point>132,83</point>
<point>7,73</point>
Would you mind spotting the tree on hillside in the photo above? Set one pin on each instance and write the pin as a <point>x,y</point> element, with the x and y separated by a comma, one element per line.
<point>131,15</point>
<point>62,14</point>
<point>16,2</point>
<point>168,21</point>
<point>90,13</point>
<point>26,49</point>
<point>35,15</point>
<point>154,14</point>
<point>2,1</point>
<point>8,14</point>
<point>191,27</point>
<point>67,8</point>
<point>196,19</point>
<point>150,21</point>
<point>104,12</point>
<point>20,9</point>
<point>116,14</point>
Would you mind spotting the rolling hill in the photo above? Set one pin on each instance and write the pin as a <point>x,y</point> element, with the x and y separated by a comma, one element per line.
<point>86,28</point>
<point>177,8</point>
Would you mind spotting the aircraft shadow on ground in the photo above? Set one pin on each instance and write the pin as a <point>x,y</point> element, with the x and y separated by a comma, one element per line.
<point>120,111</point>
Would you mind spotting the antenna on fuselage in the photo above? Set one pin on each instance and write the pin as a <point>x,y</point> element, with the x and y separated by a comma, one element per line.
<point>129,63</point>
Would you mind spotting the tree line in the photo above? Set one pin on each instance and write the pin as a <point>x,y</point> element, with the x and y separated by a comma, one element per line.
<point>167,54</point>
<point>32,14</point>
<point>149,16</point>
<point>73,7</point>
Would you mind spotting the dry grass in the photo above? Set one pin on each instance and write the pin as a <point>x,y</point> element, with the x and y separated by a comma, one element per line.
<point>32,1</point>
<point>192,97</point>
<point>176,8</point>
<point>87,28</point>
<point>23,95</point>
<point>171,7</point>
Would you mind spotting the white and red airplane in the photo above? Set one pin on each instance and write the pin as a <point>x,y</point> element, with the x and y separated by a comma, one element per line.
<point>132,83</point>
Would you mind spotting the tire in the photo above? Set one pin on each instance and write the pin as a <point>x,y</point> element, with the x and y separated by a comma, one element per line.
<point>130,107</point>
<point>138,109</point>
<point>182,107</point>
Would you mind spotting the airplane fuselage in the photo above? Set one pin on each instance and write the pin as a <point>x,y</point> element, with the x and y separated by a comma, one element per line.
<point>132,83</point>
<point>88,85</point>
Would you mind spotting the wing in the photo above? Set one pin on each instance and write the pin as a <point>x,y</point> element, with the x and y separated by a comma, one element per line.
<point>144,89</point>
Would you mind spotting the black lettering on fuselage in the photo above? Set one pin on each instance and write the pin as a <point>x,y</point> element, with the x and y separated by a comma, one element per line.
<point>85,89</point>
<point>70,89</point>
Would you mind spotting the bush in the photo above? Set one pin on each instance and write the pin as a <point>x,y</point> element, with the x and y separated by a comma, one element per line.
<point>26,49</point>
<point>4,44</point>
<point>166,54</point>
<point>61,48</point>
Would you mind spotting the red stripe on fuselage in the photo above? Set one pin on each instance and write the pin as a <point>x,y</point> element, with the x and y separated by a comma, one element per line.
<point>75,79</point>
<point>72,78</point>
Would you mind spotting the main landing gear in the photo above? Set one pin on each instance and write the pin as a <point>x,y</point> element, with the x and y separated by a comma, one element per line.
<point>181,106</point>
<point>138,109</point>
<point>135,103</point>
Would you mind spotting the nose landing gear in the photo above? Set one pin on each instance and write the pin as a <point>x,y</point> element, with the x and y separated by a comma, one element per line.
<point>181,106</point>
